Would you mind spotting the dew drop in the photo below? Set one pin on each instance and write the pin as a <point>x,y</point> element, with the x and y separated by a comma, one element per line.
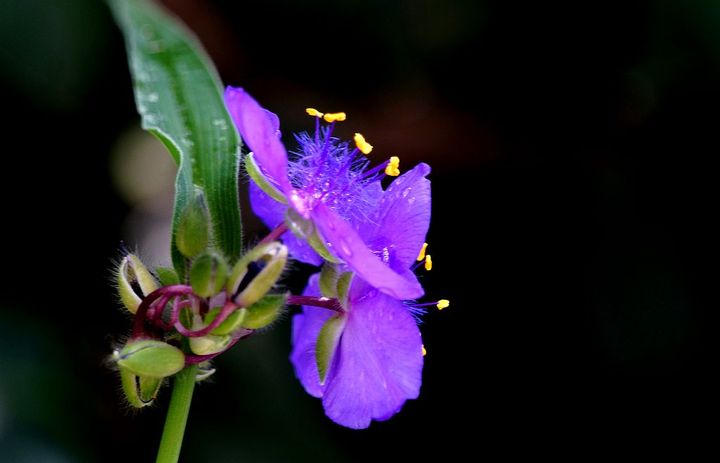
<point>153,97</point>
<point>344,245</point>
<point>406,192</point>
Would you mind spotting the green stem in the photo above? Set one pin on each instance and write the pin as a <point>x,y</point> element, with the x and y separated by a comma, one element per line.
<point>177,416</point>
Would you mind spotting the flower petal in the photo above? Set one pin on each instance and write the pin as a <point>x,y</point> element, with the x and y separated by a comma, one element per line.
<point>259,129</point>
<point>305,330</point>
<point>272,213</point>
<point>403,217</point>
<point>379,362</point>
<point>347,244</point>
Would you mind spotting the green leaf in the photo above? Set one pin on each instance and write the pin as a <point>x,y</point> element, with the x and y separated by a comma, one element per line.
<point>179,96</point>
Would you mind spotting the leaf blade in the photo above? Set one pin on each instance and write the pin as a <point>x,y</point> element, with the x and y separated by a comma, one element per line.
<point>179,97</point>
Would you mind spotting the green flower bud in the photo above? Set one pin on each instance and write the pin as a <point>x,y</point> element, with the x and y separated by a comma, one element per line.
<point>231,323</point>
<point>208,275</point>
<point>265,311</point>
<point>139,392</point>
<point>134,282</point>
<point>192,234</point>
<point>209,344</point>
<point>167,276</point>
<point>150,358</point>
<point>256,273</point>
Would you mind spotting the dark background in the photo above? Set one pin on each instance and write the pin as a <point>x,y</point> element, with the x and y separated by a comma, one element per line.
<point>572,151</point>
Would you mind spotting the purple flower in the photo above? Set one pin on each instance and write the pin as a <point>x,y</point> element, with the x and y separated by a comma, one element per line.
<point>370,350</point>
<point>376,364</point>
<point>328,186</point>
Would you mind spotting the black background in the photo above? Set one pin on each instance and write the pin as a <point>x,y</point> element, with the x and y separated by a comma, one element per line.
<point>573,225</point>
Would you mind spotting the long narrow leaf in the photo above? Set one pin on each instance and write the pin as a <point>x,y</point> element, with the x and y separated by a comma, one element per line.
<point>179,97</point>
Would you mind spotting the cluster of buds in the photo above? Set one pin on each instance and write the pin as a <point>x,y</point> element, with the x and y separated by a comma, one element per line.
<point>190,319</point>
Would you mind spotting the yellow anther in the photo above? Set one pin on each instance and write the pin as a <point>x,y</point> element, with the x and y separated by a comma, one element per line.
<point>421,256</point>
<point>428,263</point>
<point>333,117</point>
<point>362,145</point>
<point>424,351</point>
<point>393,167</point>
<point>313,112</point>
<point>442,304</point>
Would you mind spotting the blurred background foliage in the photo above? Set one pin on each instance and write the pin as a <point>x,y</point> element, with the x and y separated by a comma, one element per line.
<point>572,146</point>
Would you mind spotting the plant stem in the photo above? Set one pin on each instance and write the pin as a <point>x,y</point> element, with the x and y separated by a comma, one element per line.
<point>177,415</point>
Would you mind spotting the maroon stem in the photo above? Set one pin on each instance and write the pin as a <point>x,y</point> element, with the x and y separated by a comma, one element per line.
<point>324,302</point>
<point>138,330</point>
<point>275,234</point>
<point>224,313</point>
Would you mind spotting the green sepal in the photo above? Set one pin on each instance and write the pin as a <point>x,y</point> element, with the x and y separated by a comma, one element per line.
<point>327,344</point>
<point>167,276</point>
<point>305,230</point>
<point>261,181</point>
<point>209,344</point>
<point>134,282</point>
<point>192,233</point>
<point>343,286</point>
<point>265,311</point>
<point>149,357</point>
<point>149,388</point>
<point>272,257</point>
<point>328,280</point>
<point>229,325</point>
<point>129,383</point>
<point>208,274</point>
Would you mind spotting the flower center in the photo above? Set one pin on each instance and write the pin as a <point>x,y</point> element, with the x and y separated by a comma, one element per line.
<point>332,171</point>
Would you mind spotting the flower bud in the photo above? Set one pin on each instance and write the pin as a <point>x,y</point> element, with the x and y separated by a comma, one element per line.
<point>208,275</point>
<point>256,273</point>
<point>230,324</point>
<point>264,312</point>
<point>167,276</point>
<point>150,358</point>
<point>191,236</point>
<point>209,344</point>
<point>134,282</point>
<point>139,391</point>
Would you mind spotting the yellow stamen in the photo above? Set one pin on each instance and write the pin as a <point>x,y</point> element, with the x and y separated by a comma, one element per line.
<point>332,117</point>
<point>421,256</point>
<point>428,263</point>
<point>424,351</point>
<point>392,168</point>
<point>313,112</point>
<point>362,145</point>
<point>442,304</point>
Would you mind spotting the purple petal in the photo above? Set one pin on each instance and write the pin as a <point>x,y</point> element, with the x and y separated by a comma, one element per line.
<point>347,244</point>
<point>379,363</point>
<point>259,129</point>
<point>305,330</point>
<point>272,213</point>
<point>403,217</point>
